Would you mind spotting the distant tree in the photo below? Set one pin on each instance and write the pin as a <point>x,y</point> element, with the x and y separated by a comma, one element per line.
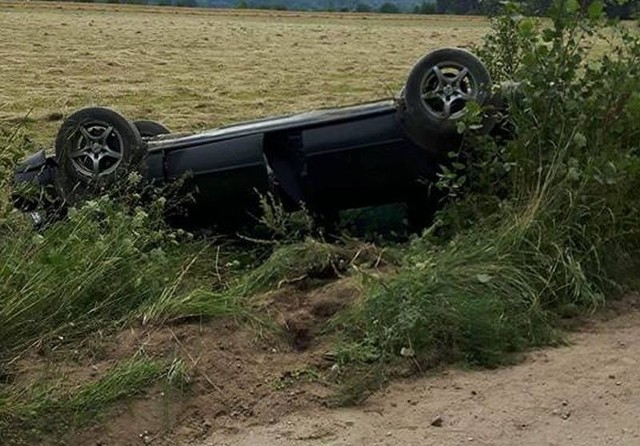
<point>538,7</point>
<point>458,6</point>
<point>389,8</point>
<point>442,7</point>
<point>242,4</point>
<point>363,7</point>
<point>276,7</point>
<point>425,8</point>
<point>623,10</point>
<point>187,3</point>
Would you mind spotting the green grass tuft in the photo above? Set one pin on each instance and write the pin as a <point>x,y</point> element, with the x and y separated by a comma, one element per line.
<point>52,408</point>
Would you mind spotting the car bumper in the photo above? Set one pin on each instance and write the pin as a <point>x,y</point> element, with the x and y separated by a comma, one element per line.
<point>33,182</point>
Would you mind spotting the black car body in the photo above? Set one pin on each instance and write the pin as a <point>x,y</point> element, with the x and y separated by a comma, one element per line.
<point>328,160</point>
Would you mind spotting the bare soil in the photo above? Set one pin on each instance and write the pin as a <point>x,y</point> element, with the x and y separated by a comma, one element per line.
<point>250,391</point>
<point>586,393</point>
<point>240,374</point>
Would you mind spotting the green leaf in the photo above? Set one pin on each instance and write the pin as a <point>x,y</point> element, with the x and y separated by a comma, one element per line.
<point>458,166</point>
<point>573,6</point>
<point>526,27</point>
<point>580,140</point>
<point>573,174</point>
<point>595,9</point>
<point>548,35</point>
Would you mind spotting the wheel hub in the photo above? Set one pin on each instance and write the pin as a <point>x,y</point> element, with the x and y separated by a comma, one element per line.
<point>98,150</point>
<point>446,89</point>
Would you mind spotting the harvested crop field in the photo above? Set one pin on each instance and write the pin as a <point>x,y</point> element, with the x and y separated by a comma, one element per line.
<point>195,69</point>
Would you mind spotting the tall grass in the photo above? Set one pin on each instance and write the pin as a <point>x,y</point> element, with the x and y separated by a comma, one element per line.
<point>306,260</point>
<point>93,269</point>
<point>55,406</point>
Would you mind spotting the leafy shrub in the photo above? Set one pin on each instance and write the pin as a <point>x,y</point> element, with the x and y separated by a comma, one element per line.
<point>544,224</point>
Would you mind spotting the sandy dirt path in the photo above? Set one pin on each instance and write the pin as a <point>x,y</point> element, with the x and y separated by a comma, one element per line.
<point>587,393</point>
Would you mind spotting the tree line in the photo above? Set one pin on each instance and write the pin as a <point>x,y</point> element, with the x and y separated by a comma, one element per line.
<point>615,8</point>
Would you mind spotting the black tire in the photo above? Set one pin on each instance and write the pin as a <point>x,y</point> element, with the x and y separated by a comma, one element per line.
<point>150,129</point>
<point>94,148</point>
<point>437,91</point>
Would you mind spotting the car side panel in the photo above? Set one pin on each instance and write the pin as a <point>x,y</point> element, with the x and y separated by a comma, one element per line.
<point>153,167</point>
<point>225,177</point>
<point>362,163</point>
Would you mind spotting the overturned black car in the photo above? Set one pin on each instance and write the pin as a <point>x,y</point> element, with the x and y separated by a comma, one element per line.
<point>329,160</point>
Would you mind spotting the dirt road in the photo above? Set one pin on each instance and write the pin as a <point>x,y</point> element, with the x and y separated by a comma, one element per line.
<point>587,393</point>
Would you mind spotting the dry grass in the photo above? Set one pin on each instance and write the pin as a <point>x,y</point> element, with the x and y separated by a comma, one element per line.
<point>200,68</point>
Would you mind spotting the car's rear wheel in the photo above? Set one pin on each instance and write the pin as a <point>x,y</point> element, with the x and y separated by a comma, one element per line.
<point>438,90</point>
<point>95,147</point>
<point>151,129</point>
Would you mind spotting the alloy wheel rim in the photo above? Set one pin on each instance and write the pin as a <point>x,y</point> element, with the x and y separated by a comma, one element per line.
<point>98,151</point>
<point>446,89</point>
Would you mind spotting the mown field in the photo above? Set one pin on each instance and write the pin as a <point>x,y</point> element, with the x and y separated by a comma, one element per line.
<point>194,69</point>
<point>116,329</point>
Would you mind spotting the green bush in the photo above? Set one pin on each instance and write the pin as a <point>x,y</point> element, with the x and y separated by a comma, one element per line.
<point>538,227</point>
<point>389,8</point>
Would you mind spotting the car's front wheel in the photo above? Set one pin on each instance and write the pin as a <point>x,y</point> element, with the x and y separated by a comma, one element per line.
<point>94,148</point>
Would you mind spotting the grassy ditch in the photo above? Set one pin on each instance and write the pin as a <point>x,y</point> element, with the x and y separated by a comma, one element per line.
<point>113,264</point>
